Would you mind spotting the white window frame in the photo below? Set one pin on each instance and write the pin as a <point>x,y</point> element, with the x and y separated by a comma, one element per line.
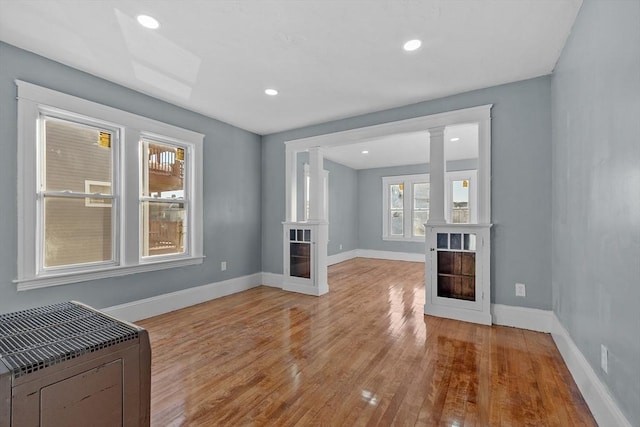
<point>407,181</point>
<point>34,100</point>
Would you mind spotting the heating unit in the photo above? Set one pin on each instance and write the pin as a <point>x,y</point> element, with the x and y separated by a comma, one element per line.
<point>70,365</point>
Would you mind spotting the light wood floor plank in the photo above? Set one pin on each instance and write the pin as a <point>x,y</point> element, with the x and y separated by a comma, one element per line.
<point>362,355</point>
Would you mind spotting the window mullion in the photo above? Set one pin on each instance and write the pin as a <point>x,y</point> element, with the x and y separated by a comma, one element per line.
<point>130,191</point>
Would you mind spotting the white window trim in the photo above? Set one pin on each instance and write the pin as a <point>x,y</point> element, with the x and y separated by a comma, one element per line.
<point>407,181</point>
<point>32,100</point>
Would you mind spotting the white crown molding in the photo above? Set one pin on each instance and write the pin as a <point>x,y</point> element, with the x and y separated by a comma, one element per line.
<point>604,409</point>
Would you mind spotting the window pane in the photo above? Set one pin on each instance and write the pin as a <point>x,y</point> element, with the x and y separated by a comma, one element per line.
<point>163,228</point>
<point>421,195</point>
<point>75,233</point>
<point>163,170</point>
<point>75,154</point>
<point>397,223</point>
<point>396,195</point>
<point>460,200</point>
<point>419,218</point>
<point>420,207</point>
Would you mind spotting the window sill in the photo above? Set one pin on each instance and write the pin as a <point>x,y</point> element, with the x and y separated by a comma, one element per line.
<point>75,277</point>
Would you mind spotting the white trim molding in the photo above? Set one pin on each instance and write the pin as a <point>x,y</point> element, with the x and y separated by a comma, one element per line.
<point>604,409</point>
<point>303,289</point>
<point>396,256</point>
<point>160,304</point>
<point>272,280</point>
<point>37,104</point>
<point>532,319</point>
<point>341,257</point>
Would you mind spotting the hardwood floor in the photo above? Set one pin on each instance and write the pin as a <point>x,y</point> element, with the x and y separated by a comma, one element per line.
<point>364,354</point>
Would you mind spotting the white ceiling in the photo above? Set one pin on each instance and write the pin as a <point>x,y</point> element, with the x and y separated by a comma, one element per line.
<point>405,149</point>
<point>328,59</point>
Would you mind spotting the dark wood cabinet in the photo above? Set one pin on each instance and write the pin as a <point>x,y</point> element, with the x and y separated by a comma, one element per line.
<point>457,275</point>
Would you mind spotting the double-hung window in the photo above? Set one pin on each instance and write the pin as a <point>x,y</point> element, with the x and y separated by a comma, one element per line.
<point>405,207</point>
<point>75,202</point>
<point>164,202</point>
<point>102,192</point>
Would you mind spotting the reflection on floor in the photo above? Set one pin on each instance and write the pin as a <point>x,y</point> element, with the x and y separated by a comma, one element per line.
<point>364,354</point>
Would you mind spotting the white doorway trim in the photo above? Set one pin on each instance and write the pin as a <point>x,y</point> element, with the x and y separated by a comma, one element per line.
<point>480,114</point>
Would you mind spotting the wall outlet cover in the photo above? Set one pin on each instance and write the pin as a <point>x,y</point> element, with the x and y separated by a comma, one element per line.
<point>521,290</point>
<point>223,265</point>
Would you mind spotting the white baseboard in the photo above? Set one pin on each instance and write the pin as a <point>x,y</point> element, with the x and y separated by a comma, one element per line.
<point>522,317</point>
<point>595,392</point>
<point>396,256</point>
<point>463,315</point>
<point>272,280</point>
<point>160,304</point>
<point>303,289</point>
<point>341,257</point>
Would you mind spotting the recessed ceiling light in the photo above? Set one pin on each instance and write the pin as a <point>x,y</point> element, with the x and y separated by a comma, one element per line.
<point>148,22</point>
<point>365,151</point>
<point>454,139</point>
<point>412,45</point>
<point>271,92</point>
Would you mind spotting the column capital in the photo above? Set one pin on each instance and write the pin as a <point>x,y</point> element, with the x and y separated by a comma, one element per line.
<point>317,149</point>
<point>436,131</point>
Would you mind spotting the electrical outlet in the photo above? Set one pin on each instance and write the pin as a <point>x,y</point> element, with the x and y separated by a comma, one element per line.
<point>521,290</point>
<point>340,247</point>
<point>223,265</point>
<point>604,358</point>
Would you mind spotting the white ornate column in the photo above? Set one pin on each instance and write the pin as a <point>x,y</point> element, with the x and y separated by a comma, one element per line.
<point>316,189</point>
<point>437,171</point>
<point>305,242</point>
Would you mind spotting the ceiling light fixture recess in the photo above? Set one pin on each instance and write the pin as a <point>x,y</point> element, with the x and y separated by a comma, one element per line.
<point>412,45</point>
<point>454,139</point>
<point>148,22</point>
<point>271,92</point>
<point>365,151</point>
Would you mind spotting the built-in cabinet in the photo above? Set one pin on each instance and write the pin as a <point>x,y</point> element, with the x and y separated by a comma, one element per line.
<point>457,271</point>
<point>302,271</point>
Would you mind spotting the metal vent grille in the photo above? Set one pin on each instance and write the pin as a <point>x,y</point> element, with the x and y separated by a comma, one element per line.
<point>37,338</point>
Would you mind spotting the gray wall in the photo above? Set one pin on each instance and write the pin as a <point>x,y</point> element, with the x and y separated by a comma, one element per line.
<point>596,193</point>
<point>370,215</point>
<point>343,207</point>
<point>521,184</point>
<point>343,203</point>
<point>232,208</point>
